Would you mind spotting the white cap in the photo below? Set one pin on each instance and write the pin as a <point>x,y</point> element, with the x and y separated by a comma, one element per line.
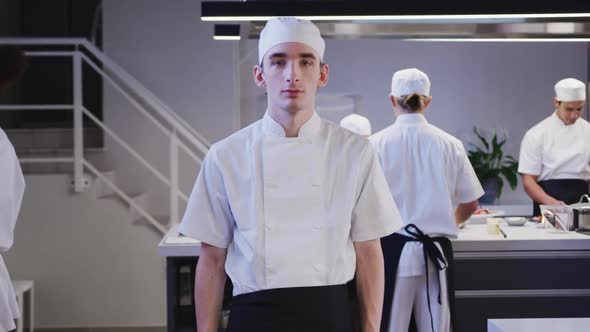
<point>410,81</point>
<point>570,89</point>
<point>280,30</point>
<point>357,124</point>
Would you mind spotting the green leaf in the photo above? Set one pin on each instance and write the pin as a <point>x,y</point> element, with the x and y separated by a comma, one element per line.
<point>511,177</point>
<point>481,138</point>
<point>500,187</point>
<point>488,160</point>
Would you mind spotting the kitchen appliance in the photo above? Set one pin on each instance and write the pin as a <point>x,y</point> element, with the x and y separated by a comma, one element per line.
<point>582,214</point>
<point>558,217</point>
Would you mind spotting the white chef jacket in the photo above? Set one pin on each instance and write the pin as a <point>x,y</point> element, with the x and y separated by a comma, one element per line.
<point>12,187</point>
<point>551,150</point>
<point>289,209</point>
<point>429,174</point>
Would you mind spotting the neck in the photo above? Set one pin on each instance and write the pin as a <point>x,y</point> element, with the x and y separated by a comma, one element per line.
<point>291,121</point>
<point>563,120</point>
<point>399,112</point>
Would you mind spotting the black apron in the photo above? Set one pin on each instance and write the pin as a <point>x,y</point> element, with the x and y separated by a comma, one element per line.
<point>392,247</point>
<point>313,309</point>
<point>566,190</point>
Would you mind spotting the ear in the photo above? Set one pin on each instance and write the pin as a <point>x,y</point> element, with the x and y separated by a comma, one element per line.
<point>427,103</point>
<point>324,70</point>
<point>392,100</point>
<point>555,102</point>
<point>259,77</point>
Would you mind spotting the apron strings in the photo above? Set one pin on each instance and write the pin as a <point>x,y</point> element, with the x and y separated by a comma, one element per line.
<point>436,256</point>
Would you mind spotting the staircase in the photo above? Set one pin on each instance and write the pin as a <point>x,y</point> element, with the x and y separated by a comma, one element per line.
<point>80,150</point>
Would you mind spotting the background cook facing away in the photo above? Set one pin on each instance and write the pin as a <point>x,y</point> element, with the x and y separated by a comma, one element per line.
<point>12,186</point>
<point>291,207</point>
<point>435,187</point>
<point>555,153</point>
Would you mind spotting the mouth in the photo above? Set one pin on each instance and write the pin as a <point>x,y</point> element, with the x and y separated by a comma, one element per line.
<point>293,92</point>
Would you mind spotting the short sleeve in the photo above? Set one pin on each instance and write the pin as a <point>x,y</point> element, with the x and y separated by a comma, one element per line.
<point>531,157</point>
<point>208,215</point>
<point>467,188</point>
<point>375,214</point>
<point>12,187</point>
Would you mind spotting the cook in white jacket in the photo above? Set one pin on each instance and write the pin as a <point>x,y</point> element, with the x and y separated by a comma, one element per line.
<point>12,187</point>
<point>290,207</point>
<point>555,153</point>
<point>435,187</point>
<point>358,124</point>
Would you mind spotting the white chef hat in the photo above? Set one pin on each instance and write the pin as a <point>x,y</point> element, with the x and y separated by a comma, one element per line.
<point>357,124</point>
<point>410,81</point>
<point>570,89</point>
<point>280,30</point>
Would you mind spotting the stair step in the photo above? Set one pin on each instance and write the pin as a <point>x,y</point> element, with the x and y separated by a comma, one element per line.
<point>162,220</point>
<point>52,138</point>
<point>133,196</point>
<point>96,156</point>
<point>56,152</point>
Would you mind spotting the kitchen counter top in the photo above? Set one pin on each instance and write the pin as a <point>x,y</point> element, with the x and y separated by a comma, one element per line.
<point>538,325</point>
<point>472,241</point>
<point>474,238</point>
<point>175,245</point>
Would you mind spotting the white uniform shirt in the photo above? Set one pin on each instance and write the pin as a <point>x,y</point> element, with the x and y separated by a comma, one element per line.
<point>289,209</point>
<point>551,150</point>
<point>12,187</point>
<point>429,174</point>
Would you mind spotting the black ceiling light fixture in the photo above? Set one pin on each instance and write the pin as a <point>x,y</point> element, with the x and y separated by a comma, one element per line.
<point>499,11</point>
<point>226,32</point>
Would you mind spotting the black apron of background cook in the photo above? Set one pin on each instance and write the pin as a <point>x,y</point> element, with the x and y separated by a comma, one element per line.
<point>392,247</point>
<point>566,190</point>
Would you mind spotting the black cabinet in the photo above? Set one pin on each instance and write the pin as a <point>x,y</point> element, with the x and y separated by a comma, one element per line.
<point>521,285</point>
<point>180,275</point>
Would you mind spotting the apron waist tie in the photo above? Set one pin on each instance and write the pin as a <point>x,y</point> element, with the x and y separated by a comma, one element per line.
<point>430,250</point>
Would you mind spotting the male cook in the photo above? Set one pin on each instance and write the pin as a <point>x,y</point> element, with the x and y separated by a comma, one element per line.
<point>290,207</point>
<point>555,153</point>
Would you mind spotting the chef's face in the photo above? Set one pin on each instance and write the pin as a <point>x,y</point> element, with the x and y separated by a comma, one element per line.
<point>291,74</point>
<point>569,111</point>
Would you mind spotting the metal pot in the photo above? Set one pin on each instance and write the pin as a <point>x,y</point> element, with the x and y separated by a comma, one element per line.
<point>582,214</point>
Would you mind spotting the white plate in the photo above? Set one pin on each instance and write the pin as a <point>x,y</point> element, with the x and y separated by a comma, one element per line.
<point>515,221</point>
<point>481,218</point>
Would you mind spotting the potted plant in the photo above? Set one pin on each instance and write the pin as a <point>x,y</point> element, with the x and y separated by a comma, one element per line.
<point>490,165</point>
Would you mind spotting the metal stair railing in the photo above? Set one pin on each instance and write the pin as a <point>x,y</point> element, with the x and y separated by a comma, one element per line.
<point>181,136</point>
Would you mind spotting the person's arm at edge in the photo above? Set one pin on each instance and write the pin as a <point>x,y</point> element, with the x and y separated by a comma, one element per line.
<point>369,283</point>
<point>209,286</point>
<point>534,190</point>
<point>464,211</point>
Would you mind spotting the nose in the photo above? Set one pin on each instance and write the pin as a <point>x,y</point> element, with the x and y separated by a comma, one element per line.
<point>291,72</point>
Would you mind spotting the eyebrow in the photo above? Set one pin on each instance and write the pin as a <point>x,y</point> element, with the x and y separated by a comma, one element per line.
<point>284,55</point>
<point>307,56</point>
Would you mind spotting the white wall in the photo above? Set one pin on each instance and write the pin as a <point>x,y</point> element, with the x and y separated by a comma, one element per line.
<point>91,266</point>
<point>489,85</point>
<point>170,51</point>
